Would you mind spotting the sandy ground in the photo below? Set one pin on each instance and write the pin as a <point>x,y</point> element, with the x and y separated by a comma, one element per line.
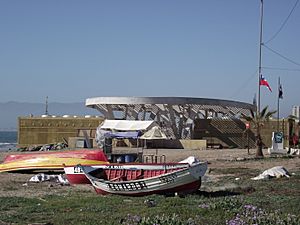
<point>16,184</point>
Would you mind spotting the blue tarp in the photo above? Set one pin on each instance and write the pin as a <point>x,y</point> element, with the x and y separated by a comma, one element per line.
<point>131,134</point>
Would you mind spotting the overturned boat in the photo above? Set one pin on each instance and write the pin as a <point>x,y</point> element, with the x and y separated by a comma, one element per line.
<point>52,160</point>
<point>143,179</point>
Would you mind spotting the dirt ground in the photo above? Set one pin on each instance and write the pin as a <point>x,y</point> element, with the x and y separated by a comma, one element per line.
<point>16,184</point>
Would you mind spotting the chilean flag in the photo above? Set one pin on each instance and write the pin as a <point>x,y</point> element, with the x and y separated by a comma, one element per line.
<point>264,82</point>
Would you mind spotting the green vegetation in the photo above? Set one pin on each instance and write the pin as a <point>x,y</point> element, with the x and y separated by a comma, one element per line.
<point>258,119</point>
<point>274,201</point>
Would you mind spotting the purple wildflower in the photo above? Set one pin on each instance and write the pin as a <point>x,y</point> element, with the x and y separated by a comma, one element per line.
<point>250,207</point>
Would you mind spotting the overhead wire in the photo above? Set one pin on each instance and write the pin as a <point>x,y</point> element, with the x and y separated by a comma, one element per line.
<point>282,56</point>
<point>275,52</point>
<point>246,83</point>
<point>283,69</point>
<point>284,23</point>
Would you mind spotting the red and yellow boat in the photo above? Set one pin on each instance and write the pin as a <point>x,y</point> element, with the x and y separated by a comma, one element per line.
<point>55,160</point>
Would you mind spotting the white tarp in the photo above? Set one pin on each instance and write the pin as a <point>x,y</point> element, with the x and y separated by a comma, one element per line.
<point>126,125</point>
<point>277,171</point>
<point>190,160</point>
<point>154,133</point>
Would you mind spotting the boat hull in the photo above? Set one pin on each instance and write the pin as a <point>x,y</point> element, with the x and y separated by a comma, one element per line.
<point>52,160</point>
<point>181,189</point>
<point>185,180</point>
<point>75,175</point>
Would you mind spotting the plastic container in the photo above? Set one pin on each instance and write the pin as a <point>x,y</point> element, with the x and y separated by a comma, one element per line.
<point>129,158</point>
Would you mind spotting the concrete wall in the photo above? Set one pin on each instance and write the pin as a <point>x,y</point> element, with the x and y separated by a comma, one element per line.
<point>203,130</point>
<point>179,144</point>
<point>80,142</point>
<point>271,126</point>
<point>38,130</point>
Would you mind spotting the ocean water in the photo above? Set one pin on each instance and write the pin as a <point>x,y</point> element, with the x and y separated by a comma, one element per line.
<point>8,140</point>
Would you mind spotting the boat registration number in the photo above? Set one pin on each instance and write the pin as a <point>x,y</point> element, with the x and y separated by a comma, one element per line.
<point>132,186</point>
<point>77,169</point>
<point>168,178</point>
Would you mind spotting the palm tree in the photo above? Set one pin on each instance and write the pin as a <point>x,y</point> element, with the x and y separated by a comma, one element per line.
<point>258,119</point>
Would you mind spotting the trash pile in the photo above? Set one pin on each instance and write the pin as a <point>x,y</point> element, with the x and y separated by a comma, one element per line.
<point>41,177</point>
<point>46,147</point>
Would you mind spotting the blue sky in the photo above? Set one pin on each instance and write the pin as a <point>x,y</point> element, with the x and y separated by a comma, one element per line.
<point>73,50</point>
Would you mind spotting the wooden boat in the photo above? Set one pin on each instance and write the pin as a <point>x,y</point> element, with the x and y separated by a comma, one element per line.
<point>75,175</point>
<point>52,160</point>
<point>139,182</point>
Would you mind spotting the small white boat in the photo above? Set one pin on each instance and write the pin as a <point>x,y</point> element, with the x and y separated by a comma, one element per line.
<point>139,182</point>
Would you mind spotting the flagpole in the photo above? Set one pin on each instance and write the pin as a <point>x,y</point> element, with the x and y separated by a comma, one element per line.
<point>260,52</point>
<point>278,96</point>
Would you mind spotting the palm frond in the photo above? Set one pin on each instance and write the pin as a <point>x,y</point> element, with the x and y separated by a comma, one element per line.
<point>270,114</point>
<point>247,118</point>
<point>263,112</point>
<point>252,113</point>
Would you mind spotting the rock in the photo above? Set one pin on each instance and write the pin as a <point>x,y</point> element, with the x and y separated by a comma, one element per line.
<point>240,159</point>
<point>150,202</point>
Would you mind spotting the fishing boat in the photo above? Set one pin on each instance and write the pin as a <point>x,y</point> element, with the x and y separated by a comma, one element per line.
<point>75,175</point>
<point>146,179</point>
<point>54,160</point>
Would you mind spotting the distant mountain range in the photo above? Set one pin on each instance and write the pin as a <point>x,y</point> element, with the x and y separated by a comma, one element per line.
<point>10,111</point>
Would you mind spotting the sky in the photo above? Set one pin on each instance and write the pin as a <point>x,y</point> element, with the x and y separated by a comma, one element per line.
<point>70,50</point>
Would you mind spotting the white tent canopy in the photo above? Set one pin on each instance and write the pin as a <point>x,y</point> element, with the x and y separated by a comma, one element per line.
<point>127,125</point>
<point>154,133</point>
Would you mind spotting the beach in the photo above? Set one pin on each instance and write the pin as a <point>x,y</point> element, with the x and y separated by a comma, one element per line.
<point>226,193</point>
<point>217,159</point>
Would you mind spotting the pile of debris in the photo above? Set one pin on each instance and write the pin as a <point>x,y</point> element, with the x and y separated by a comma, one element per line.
<point>46,147</point>
<point>42,177</point>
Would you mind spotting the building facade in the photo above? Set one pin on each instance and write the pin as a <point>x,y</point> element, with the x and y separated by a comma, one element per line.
<point>179,116</point>
<point>46,130</point>
<point>296,111</point>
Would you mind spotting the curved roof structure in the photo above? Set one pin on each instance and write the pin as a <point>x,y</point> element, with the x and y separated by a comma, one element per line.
<point>165,100</point>
<point>174,114</point>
